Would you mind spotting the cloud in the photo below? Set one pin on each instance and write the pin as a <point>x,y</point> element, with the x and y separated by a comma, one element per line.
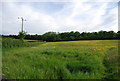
<point>60,0</point>
<point>68,16</point>
<point>89,16</point>
<point>37,22</point>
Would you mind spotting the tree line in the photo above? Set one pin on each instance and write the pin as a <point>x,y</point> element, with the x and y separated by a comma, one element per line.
<point>71,36</point>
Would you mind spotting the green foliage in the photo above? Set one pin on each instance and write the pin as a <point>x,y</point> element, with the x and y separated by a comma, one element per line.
<point>21,35</point>
<point>49,36</point>
<point>70,36</point>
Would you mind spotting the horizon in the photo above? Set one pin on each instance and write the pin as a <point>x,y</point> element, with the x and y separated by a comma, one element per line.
<point>59,32</point>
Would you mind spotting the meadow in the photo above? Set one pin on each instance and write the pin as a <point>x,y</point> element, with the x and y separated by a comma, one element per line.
<point>85,59</point>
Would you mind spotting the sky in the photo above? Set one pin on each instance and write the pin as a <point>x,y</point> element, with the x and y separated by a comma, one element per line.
<point>58,16</point>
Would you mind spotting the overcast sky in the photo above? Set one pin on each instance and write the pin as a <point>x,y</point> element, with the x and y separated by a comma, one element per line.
<point>59,16</point>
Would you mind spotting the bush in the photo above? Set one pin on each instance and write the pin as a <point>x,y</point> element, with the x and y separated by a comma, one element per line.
<point>22,35</point>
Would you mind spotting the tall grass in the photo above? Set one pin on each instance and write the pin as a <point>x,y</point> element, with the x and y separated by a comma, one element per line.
<point>12,43</point>
<point>62,60</point>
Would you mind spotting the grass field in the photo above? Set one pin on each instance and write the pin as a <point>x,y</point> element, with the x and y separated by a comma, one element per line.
<point>88,59</point>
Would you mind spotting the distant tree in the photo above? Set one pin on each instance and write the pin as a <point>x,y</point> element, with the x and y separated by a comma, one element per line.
<point>64,36</point>
<point>83,35</point>
<point>28,36</point>
<point>50,36</point>
<point>93,35</point>
<point>71,36</point>
<point>111,34</point>
<point>22,35</point>
<point>102,34</point>
<point>68,36</point>
<point>58,37</point>
<point>77,35</point>
<point>118,35</point>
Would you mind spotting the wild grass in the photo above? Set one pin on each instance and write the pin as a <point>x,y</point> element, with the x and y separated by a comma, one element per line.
<point>12,43</point>
<point>63,60</point>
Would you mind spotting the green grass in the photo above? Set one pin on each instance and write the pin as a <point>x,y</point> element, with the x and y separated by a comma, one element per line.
<point>12,43</point>
<point>62,60</point>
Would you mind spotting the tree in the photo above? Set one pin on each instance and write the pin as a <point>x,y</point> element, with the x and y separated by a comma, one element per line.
<point>22,35</point>
<point>111,34</point>
<point>102,34</point>
<point>50,36</point>
<point>69,36</point>
<point>77,35</point>
<point>118,35</point>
